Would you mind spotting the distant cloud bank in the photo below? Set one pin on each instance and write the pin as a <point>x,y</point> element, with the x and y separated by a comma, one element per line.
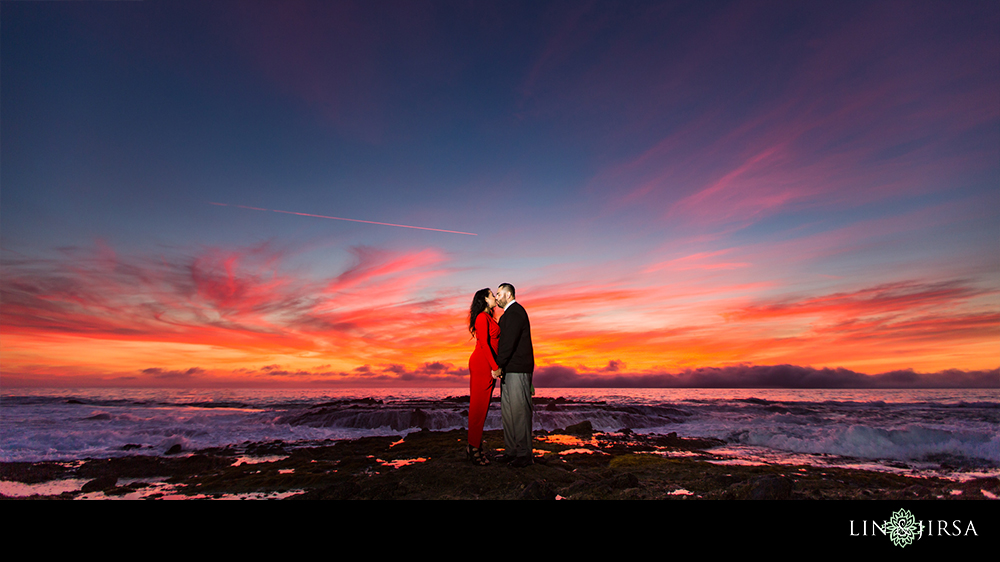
<point>766,376</point>
<point>448,375</point>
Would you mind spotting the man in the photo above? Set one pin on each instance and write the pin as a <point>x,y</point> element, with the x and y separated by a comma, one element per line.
<point>516,360</point>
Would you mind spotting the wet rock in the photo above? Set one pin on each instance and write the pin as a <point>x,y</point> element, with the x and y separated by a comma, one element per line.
<point>124,467</point>
<point>770,488</point>
<point>341,491</point>
<point>368,401</point>
<point>418,419</point>
<point>582,429</point>
<point>577,487</point>
<point>685,443</point>
<point>622,481</point>
<point>266,449</point>
<point>435,468</point>
<point>176,449</point>
<point>100,484</point>
<point>538,490</point>
<point>33,473</point>
<point>980,487</point>
<point>383,491</point>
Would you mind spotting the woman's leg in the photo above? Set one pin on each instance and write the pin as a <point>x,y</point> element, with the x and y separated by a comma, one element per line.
<point>479,405</point>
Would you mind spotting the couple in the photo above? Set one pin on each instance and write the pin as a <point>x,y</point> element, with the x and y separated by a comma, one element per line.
<point>503,351</point>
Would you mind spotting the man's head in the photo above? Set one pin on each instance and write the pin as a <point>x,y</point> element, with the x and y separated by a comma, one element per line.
<point>505,294</point>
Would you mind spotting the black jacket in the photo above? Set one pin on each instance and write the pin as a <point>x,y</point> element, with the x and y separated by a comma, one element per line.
<point>514,352</point>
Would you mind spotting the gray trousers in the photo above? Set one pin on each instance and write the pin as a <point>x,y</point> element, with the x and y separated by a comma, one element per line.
<point>515,411</point>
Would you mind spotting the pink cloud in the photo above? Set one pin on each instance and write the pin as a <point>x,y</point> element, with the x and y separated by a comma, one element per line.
<point>232,298</point>
<point>377,264</point>
<point>884,299</point>
<point>858,117</point>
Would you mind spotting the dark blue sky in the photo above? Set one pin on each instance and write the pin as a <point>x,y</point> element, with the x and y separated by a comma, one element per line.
<point>671,185</point>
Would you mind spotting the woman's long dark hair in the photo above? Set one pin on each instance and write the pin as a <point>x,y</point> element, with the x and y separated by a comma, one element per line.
<point>478,305</point>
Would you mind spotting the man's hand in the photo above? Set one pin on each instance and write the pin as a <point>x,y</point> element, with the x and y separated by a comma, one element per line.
<point>496,374</point>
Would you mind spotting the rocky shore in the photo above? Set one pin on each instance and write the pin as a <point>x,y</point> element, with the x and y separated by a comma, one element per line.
<point>574,463</point>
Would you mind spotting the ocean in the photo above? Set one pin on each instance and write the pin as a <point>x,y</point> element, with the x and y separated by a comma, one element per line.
<point>949,433</point>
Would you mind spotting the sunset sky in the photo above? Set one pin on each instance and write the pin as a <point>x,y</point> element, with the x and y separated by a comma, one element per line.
<point>750,193</point>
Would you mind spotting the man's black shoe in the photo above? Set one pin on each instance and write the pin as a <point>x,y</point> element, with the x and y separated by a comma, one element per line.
<point>521,462</point>
<point>504,458</point>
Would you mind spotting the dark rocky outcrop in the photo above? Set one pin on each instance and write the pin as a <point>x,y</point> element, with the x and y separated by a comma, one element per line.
<point>577,463</point>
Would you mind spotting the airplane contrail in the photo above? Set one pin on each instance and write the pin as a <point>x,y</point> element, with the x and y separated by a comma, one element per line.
<point>343,219</point>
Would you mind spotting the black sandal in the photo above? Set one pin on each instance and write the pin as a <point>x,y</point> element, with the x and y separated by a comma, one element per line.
<point>476,456</point>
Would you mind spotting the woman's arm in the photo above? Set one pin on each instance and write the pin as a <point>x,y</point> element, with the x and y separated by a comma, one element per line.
<point>483,339</point>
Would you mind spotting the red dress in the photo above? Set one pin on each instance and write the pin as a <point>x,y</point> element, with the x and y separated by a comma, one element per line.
<point>481,365</point>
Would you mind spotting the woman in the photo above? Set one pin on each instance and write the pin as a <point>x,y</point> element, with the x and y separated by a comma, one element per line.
<point>481,366</point>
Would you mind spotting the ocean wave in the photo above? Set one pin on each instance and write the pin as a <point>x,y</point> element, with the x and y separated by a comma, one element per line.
<point>66,425</point>
<point>909,443</point>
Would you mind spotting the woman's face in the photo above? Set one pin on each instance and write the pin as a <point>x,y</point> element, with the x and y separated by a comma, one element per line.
<point>491,301</point>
